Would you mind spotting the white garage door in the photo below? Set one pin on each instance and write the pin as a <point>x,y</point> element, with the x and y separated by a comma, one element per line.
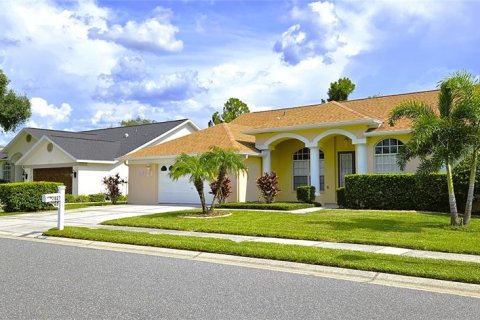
<point>180,191</point>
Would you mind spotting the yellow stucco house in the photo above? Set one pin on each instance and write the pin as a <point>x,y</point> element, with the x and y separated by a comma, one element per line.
<point>308,145</point>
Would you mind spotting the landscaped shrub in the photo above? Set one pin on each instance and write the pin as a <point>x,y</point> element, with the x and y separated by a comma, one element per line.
<point>98,197</point>
<point>82,198</point>
<point>341,197</point>
<point>268,186</point>
<point>2,181</point>
<point>306,194</point>
<point>70,198</point>
<point>26,196</point>
<point>112,184</point>
<point>224,193</point>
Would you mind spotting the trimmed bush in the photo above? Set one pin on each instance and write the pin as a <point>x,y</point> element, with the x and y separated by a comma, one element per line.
<point>98,197</point>
<point>306,194</point>
<point>82,198</point>
<point>70,198</point>
<point>26,196</point>
<point>341,197</point>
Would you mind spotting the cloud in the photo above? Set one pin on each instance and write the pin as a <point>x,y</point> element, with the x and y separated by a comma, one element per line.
<point>129,81</point>
<point>156,35</point>
<point>49,112</point>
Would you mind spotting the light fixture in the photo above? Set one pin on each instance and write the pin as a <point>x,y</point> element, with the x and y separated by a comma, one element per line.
<point>74,174</point>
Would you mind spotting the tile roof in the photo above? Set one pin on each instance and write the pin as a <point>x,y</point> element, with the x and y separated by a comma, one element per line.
<point>225,135</point>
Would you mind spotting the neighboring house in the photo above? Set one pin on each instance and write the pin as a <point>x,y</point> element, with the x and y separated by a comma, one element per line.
<point>81,159</point>
<point>344,137</point>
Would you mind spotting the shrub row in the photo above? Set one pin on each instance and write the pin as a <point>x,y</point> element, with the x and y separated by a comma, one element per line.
<point>284,206</point>
<point>98,197</point>
<point>306,194</point>
<point>400,192</point>
<point>26,196</point>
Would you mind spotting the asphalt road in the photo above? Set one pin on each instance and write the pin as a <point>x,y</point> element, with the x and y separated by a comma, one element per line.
<point>45,281</point>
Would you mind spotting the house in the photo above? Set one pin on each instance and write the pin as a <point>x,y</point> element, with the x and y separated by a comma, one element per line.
<point>81,159</point>
<point>309,145</point>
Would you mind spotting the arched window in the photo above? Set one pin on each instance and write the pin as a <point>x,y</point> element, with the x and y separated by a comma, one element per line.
<point>386,152</point>
<point>163,168</point>
<point>301,168</point>
<point>170,168</point>
<point>6,171</point>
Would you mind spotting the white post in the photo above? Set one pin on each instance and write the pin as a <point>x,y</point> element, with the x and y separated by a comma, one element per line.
<point>315,169</point>
<point>361,157</point>
<point>61,207</point>
<point>266,161</point>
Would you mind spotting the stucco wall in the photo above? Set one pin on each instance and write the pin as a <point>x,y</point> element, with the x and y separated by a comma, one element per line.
<point>143,184</point>
<point>254,165</point>
<point>90,177</point>
<point>411,166</point>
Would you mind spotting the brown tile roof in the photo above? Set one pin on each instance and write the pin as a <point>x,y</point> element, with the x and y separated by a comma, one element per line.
<point>375,108</point>
<point>225,135</point>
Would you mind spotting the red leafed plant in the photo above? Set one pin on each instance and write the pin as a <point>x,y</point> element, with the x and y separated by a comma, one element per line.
<point>225,192</point>
<point>268,185</point>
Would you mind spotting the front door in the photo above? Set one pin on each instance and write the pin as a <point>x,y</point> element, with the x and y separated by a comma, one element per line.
<point>346,165</point>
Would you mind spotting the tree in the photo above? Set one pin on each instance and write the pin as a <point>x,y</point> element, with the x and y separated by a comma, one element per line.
<point>137,121</point>
<point>198,170</point>
<point>340,89</point>
<point>14,109</point>
<point>112,184</point>
<point>222,162</point>
<point>438,139</point>
<point>231,110</point>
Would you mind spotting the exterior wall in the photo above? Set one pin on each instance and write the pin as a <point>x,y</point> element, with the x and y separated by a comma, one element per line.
<point>143,184</point>
<point>186,130</point>
<point>90,176</point>
<point>20,144</point>
<point>254,165</point>
<point>411,166</point>
<point>40,156</point>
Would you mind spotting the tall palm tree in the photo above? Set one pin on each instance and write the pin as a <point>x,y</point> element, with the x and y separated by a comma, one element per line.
<point>223,162</point>
<point>196,167</point>
<point>437,138</point>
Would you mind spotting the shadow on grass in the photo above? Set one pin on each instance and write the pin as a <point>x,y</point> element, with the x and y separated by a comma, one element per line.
<point>351,257</point>
<point>385,225</point>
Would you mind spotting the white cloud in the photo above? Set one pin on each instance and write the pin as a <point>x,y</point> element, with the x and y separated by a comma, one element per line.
<point>49,112</point>
<point>156,35</point>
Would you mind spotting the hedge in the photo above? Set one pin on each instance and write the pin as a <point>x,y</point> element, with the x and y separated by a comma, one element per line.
<point>341,197</point>
<point>306,194</point>
<point>97,197</point>
<point>26,196</point>
<point>401,192</point>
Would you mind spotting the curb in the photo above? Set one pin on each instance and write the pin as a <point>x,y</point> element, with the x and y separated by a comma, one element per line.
<point>371,277</point>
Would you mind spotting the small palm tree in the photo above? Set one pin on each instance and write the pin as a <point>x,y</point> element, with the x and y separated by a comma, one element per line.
<point>223,162</point>
<point>437,138</point>
<point>198,171</point>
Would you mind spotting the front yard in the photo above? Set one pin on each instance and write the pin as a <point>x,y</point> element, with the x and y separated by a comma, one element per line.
<point>423,231</point>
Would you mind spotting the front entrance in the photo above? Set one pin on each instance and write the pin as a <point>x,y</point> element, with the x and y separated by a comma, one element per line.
<point>62,175</point>
<point>346,165</point>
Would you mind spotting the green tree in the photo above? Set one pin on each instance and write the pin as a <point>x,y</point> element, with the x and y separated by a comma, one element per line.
<point>137,121</point>
<point>340,89</point>
<point>198,170</point>
<point>437,138</point>
<point>231,110</point>
<point>14,108</point>
<point>222,162</point>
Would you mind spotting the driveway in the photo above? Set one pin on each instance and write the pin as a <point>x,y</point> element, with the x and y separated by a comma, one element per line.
<point>35,223</point>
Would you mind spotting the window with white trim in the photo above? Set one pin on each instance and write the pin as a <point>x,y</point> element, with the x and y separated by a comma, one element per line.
<point>301,168</point>
<point>6,171</point>
<point>386,152</point>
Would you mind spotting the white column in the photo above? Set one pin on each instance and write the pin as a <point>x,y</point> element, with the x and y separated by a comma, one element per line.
<point>315,169</point>
<point>266,161</point>
<point>361,157</point>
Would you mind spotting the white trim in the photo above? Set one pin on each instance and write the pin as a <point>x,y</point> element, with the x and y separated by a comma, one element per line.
<point>163,135</point>
<point>34,147</point>
<point>354,138</point>
<point>374,122</point>
<point>387,133</point>
<point>253,154</point>
<point>14,139</point>
<point>99,161</point>
<point>281,136</point>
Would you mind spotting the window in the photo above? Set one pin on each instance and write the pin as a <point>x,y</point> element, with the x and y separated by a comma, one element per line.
<point>386,152</point>
<point>6,171</point>
<point>163,168</point>
<point>301,168</point>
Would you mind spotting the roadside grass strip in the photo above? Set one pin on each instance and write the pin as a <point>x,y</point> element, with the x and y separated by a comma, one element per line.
<point>409,266</point>
<point>406,229</point>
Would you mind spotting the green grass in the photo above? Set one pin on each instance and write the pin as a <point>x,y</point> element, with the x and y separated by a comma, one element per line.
<point>283,206</point>
<point>391,228</point>
<point>418,267</point>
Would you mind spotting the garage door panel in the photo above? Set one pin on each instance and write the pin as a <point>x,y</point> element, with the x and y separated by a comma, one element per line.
<point>180,191</point>
<point>61,175</point>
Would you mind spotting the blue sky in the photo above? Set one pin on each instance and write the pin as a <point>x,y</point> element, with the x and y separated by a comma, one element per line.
<point>89,64</point>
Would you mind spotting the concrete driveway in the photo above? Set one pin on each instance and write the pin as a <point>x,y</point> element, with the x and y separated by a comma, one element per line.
<point>32,224</point>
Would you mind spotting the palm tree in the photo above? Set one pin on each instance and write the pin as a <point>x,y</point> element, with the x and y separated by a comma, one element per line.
<point>223,162</point>
<point>197,169</point>
<point>437,138</point>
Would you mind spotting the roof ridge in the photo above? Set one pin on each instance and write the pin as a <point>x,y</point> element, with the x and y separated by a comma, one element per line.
<point>135,125</point>
<point>229,133</point>
<point>365,115</point>
<point>80,138</point>
<point>55,130</point>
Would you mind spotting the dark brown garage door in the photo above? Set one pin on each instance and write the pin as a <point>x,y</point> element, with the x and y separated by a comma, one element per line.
<point>63,175</point>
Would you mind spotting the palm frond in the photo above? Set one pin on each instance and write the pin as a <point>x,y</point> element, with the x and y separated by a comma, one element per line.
<point>410,110</point>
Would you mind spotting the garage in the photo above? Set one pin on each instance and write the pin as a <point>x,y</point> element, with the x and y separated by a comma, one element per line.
<point>62,175</point>
<point>180,191</point>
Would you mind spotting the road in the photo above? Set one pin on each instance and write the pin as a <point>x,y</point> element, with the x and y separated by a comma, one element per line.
<point>47,281</point>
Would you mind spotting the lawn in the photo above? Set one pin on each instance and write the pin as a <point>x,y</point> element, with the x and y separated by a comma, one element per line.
<point>282,206</point>
<point>419,267</point>
<point>424,231</point>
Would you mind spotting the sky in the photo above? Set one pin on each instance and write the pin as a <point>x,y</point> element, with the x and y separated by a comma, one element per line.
<point>90,64</point>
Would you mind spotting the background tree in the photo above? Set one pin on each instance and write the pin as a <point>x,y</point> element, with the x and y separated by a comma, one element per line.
<point>138,120</point>
<point>231,110</point>
<point>340,89</point>
<point>14,108</point>
<point>438,139</point>
<point>112,184</point>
